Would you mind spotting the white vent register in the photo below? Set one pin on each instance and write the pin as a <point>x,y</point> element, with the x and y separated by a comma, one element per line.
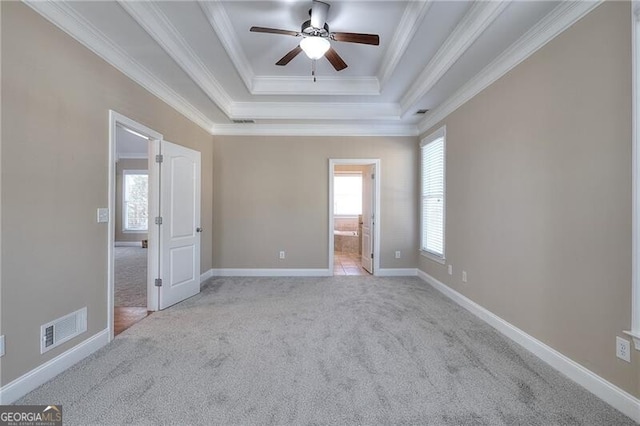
<point>63,329</point>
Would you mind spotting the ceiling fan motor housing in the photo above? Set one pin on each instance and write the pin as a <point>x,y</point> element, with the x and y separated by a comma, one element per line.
<point>308,30</point>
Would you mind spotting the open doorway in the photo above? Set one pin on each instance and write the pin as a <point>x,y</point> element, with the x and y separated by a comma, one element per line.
<point>354,234</point>
<point>131,240</point>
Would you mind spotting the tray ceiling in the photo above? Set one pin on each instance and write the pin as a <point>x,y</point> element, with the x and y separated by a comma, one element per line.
<point>200,57</point>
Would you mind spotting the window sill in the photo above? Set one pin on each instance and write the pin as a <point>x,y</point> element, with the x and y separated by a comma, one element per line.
<point>430,256</point>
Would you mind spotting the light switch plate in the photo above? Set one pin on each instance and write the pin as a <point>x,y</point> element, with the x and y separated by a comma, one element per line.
<point>103,215</point>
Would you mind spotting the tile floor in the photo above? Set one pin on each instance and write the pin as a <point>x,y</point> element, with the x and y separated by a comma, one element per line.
<point>347,264</point>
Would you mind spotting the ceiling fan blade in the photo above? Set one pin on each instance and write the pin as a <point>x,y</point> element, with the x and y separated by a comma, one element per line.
<point>372,39</point>
<point>335,59</point>
<point>289,56</point>
<point>273,31</point>
<point>319,12</point>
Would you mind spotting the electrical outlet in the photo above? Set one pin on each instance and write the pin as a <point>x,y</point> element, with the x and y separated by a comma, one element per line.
<point>450,269</point>
<point>1,345</point>
<point>398,254</point>
<point>464,276</point>
<point>282,255</point>
<point>623,349</point>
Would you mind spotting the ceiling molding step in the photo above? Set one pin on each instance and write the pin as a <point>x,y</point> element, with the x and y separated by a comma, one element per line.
<point>325,85</point>
<point>552,25</point>
<point>221,24</point>
<point>68,20</point>
<point>334,129</point>
<point>158,26</point>
<point>409,23</point>
<point>315,111</point>
<point>473,24</point>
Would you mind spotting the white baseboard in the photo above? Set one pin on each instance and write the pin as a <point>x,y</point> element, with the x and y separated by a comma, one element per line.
<point>396,272</point>
<point>47,371</point>
<point>608,392</point>
<point>270,272</point>
<point>206,275</point>
<point>128,244</point>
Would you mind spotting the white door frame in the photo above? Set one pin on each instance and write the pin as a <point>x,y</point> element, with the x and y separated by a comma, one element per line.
<point>155,138</point>
<point>376,208</point>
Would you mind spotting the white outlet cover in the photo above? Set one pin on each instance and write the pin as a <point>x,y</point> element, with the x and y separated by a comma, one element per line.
<point>398,254</point>
<point>464,276</point>
<point>623,349</point>
<point>1,345</point>
<point>450,269</point>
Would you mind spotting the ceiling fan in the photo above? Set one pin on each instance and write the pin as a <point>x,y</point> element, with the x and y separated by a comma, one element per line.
<point>316,38</point>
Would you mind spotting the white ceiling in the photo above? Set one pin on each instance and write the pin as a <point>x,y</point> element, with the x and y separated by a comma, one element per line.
<point>130,145</point>
<point>200,57</point>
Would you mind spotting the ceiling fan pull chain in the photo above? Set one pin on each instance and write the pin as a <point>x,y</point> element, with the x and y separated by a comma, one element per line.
<point>313,70</point>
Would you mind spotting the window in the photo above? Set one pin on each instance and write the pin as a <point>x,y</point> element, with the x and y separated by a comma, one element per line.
<point>432,195</point>
<point>347,194</point>
<point>135,200</point>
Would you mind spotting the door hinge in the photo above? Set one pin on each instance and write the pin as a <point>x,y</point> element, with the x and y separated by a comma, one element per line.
<point>159,158</point>
<point>372,255</point>
<point>158,282</point>
<point>373,175</point>
<point>159,220</point>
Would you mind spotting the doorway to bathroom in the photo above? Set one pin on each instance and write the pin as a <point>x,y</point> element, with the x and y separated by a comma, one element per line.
<point>353,215</point>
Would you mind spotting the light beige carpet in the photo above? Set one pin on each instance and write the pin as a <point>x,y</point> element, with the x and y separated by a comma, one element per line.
<point>130,276</point>
<point>298,351</point>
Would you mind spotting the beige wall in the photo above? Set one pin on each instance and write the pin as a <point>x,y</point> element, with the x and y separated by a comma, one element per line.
<point>539,195</point>
<point>56,97</point>
<point>121,165</point>
<point>272,194</point>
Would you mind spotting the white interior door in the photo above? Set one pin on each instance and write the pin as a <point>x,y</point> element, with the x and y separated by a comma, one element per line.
<point>368,219</point>
<point>180,228</point>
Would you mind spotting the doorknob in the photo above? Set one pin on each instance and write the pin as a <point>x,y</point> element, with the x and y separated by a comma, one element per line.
<point>199,229</point>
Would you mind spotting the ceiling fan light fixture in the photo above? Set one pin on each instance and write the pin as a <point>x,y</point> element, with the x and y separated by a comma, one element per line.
<point>315,47</point>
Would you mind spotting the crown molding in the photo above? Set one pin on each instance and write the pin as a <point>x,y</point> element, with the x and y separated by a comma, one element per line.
<point>221,24</point>
<point>315,111</point>
<point>557,21</point>
<point>327,129</point>
<point>473,24</point>
<point>324,85</point>
<point>409,23</point>
<point>68,20</point>
<point>159,27</point>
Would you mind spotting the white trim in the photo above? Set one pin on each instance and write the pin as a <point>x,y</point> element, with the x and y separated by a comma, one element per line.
<point>131,156</point>
<point>635,176</point>
<point>128,243</point>
<point>116,119</point>
<point>159,27</point>
<point>340,111</point>
<point>552,25</point>
<point>221,24</point>
<point>24,384</point>
<point>432,256</point>
<point>68,20</point>
<point>206,275</point>
<point>346,129</point>
<point>397,272</point>
<point>608,392</point>
<point>406,29</point>
<point>228,272</point>
<point>324,85</point>
<point>377,201</point>
<point>469,29</point>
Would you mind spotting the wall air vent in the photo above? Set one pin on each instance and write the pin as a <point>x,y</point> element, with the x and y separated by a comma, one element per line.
<point>244,121</point>
<point>63,329</point>
<point>422,111</point>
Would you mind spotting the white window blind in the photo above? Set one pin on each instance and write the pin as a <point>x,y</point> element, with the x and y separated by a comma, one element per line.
<point>433,194</point>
